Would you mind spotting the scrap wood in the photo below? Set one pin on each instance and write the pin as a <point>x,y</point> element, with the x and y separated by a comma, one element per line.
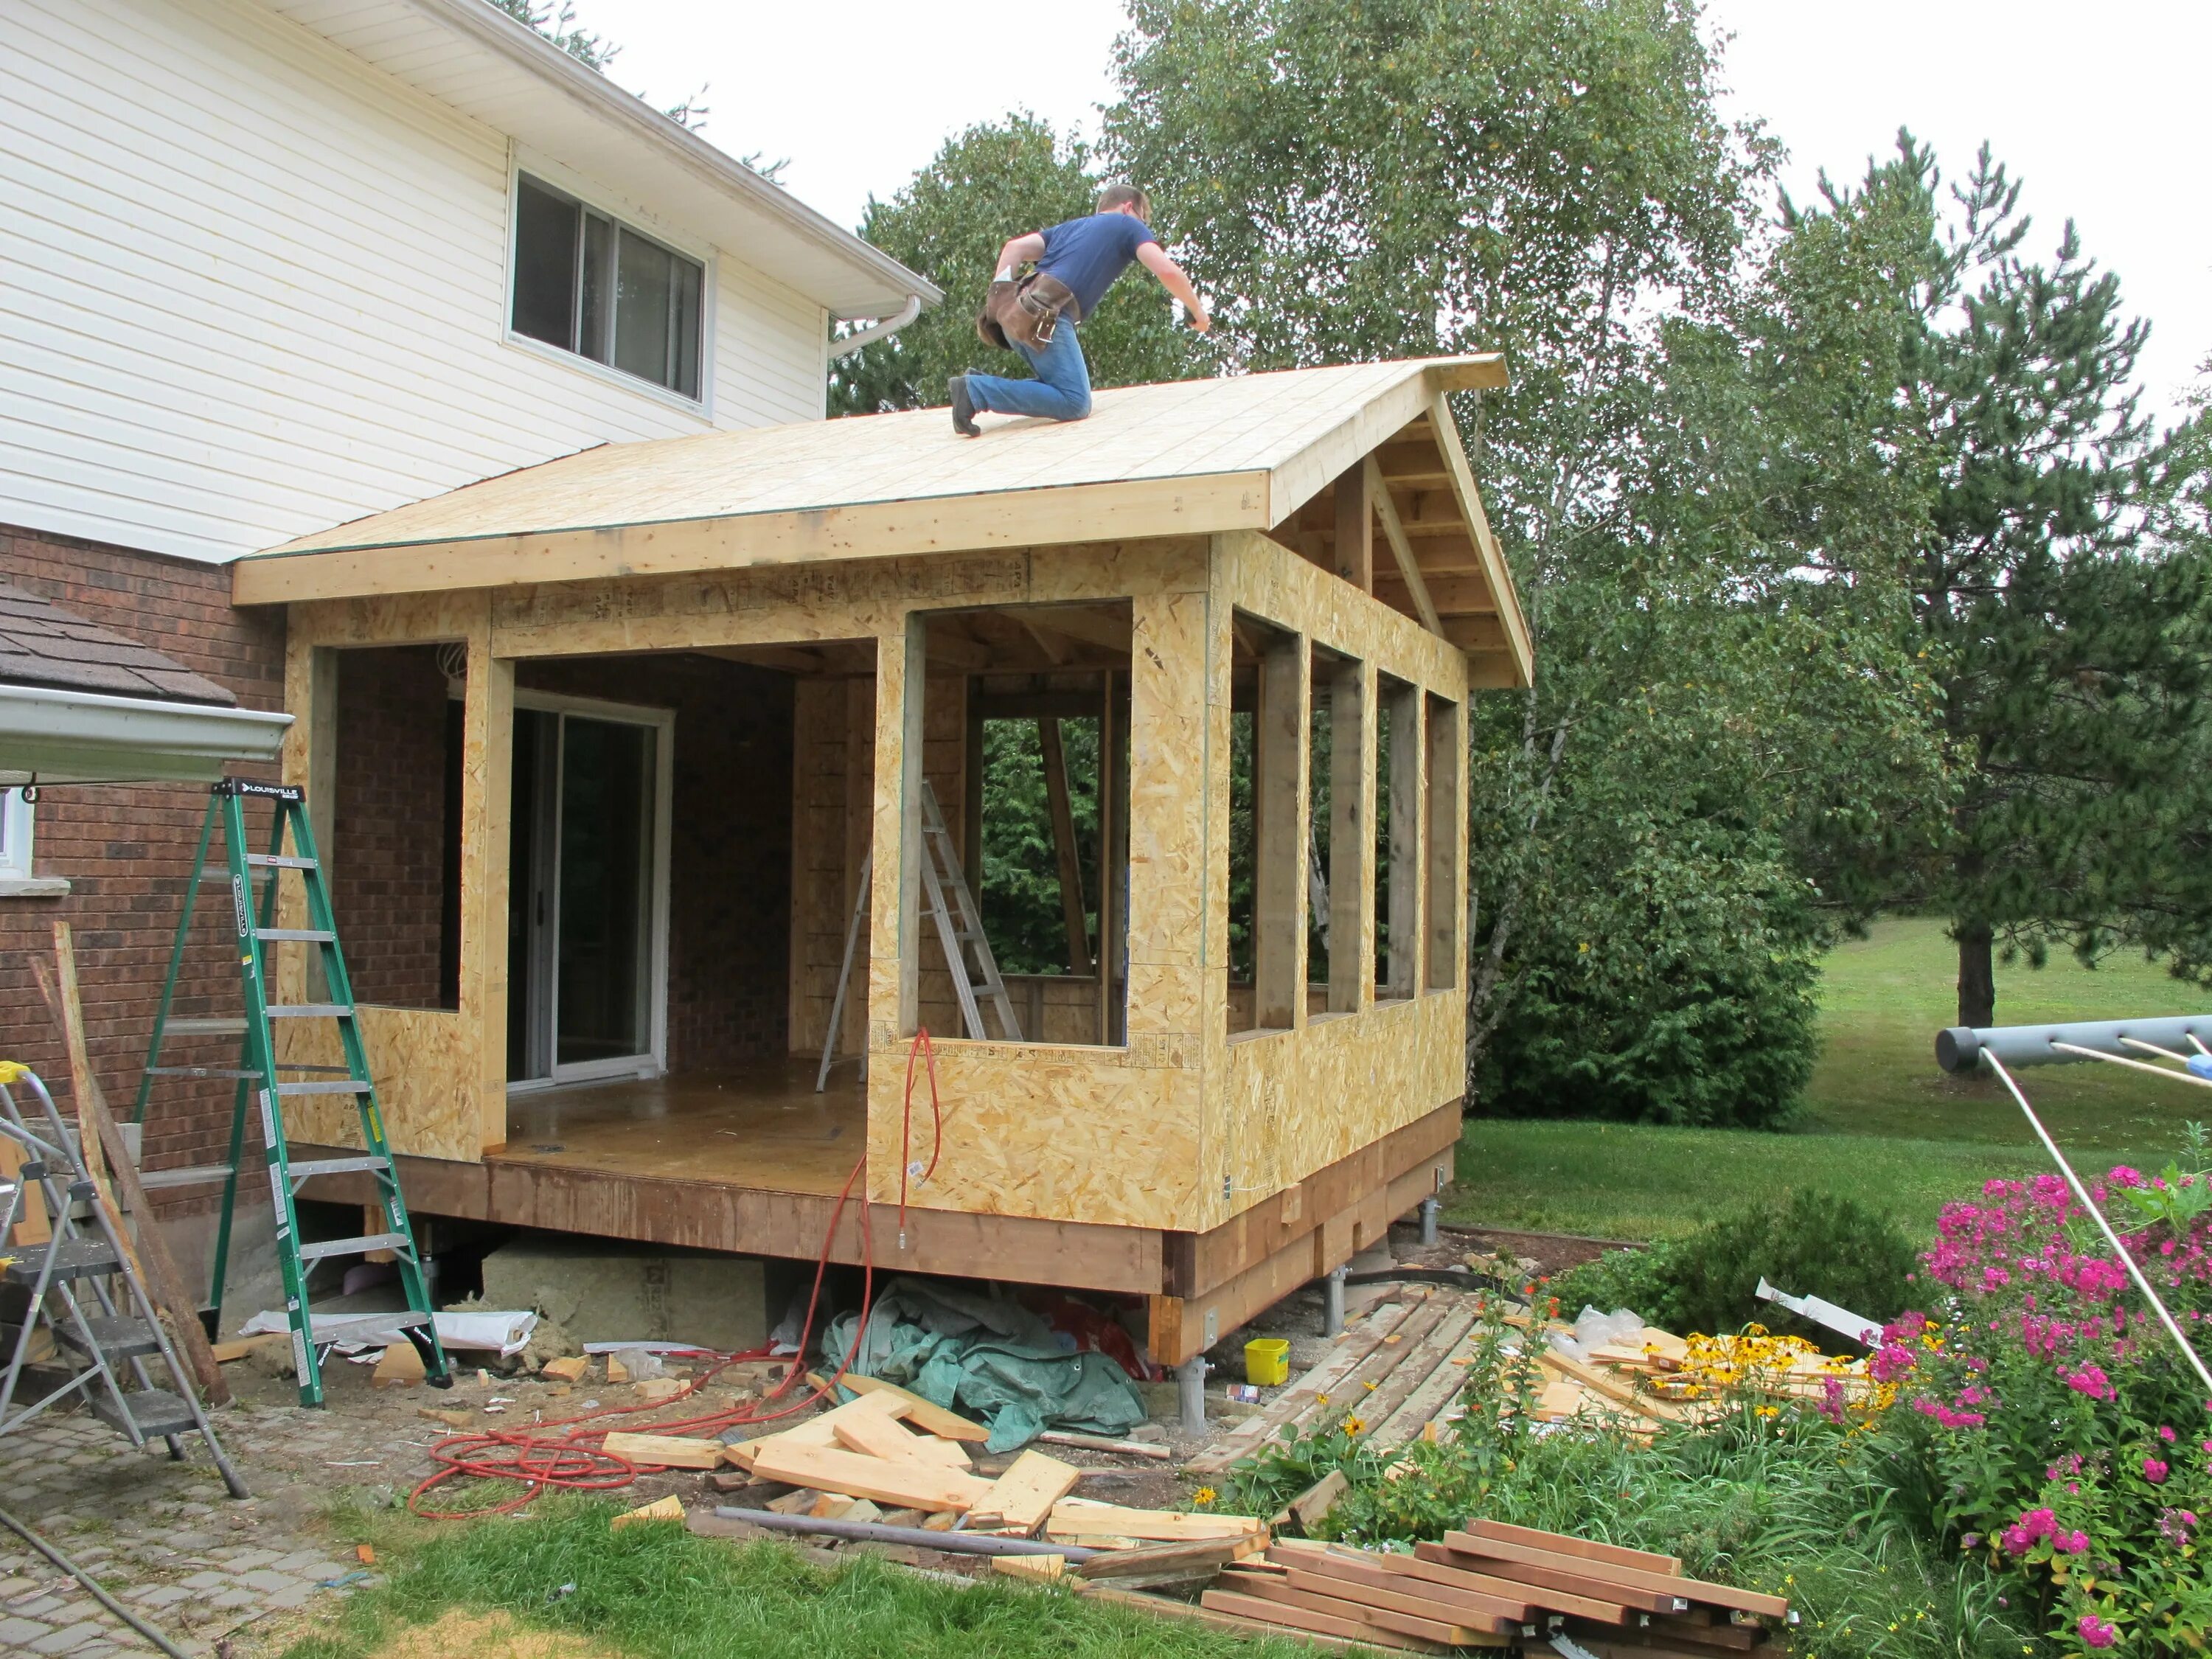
<point>399,1367</point>
<point>1612,1387</point>
<point>879,1434</point>
<point>1311,1507</point>
<point>670,1508</point>
<point>1253,1610</point>
<point>1541,1581</point>
<point>1561,1543</point>
<point>663,1451</point>
<point>1524,1558</point>
<point>1024,1496</point>
<point>569,1368</point>
<point>1031,1566</point>
<point>924,1413</point>
<point>1360,1575</point>
<point>1072,1516</point>
<point>827,1468</point>
<point>238,1347</point>
<point>877,1531</point>
<point>1167,1564</point>
<point>1108,1444</point>
<point>1268,1587</point>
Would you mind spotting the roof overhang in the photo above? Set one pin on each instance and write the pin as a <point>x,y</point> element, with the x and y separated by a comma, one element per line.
<point>476,59</point>
<point>49,736</point>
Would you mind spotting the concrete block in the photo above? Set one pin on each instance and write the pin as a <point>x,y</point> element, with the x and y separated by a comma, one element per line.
<point>602,1290</point>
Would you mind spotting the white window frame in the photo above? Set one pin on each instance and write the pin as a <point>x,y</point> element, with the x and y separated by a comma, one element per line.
<point>703,254</point>
<point>17,838</point>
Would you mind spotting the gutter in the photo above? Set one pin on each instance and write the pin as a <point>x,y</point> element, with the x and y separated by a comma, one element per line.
<point>524,45</point>
<point>52,736</point>
<point>882,331</point>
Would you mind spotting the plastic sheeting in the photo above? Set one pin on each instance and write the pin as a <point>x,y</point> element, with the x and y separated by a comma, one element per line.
<point>988,1359</point>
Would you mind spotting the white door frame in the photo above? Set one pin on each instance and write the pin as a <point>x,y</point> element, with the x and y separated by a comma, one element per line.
<point>654,1061</point>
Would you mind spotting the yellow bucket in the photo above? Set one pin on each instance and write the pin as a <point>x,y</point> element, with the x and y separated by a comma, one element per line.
<point>1267,1361</point>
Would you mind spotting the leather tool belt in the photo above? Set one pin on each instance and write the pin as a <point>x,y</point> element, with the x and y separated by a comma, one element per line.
<point>1028,311</point>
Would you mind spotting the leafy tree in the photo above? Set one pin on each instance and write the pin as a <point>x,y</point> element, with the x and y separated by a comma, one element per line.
<point>557,20</point>
<point>2062,589</point>
<point>992,183</point>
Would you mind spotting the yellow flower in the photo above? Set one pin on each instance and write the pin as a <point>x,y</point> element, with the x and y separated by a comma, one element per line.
<point>1352,1425</point>
<point>1204,1497</point>
<point>1321,1400</point>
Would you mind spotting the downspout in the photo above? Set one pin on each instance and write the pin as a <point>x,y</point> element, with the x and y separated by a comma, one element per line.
<point>881,330</point>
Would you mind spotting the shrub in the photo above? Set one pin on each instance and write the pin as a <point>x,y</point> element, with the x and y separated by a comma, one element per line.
<point>1809,1243</point>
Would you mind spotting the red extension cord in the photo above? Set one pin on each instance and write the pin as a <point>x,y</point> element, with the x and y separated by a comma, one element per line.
<point>578,1461</point>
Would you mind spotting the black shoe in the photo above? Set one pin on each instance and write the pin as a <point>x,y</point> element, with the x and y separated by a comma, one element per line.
<point>963,408</point>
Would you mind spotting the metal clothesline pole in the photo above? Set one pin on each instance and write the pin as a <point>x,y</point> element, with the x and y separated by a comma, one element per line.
<point>2073,1181</point>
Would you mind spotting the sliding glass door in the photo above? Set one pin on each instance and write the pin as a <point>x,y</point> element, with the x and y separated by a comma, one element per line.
<point>587,890</point>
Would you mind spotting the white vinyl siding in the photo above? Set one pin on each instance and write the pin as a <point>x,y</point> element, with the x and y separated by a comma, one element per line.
<point>251,288</point>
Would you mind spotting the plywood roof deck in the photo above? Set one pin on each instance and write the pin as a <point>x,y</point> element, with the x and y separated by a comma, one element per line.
<point>1260,452</point>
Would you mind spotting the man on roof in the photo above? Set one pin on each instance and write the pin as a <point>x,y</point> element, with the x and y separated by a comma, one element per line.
<point>1036,315</point>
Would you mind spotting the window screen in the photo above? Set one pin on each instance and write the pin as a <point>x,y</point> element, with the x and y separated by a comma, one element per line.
<point>589,284</point>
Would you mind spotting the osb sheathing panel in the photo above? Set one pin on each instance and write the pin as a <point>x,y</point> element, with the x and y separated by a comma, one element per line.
<point>441,1085</point>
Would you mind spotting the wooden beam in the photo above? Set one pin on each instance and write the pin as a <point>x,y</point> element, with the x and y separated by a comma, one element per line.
<point>1355,526</point>
<point>1351,838</point>
<point>1394,532</point>
<point>1493,561</point>
<point>1408,761</point>
<point>1279,807</point>
<point>1447,870</point>
<point>1069,861</point>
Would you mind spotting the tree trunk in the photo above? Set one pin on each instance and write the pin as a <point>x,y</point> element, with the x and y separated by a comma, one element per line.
<point>1978,985</point>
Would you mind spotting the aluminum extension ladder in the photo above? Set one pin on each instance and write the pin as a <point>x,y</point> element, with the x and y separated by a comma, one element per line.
<point>959,930</point>
<point>258,1069</point>
<point>77,1261</point>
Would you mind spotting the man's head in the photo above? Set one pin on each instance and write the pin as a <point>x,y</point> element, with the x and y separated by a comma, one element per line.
<point>1124,198</point>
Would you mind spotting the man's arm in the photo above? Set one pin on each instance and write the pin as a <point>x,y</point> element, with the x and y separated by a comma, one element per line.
<point>1016,252</point>
<point>1154,258</point>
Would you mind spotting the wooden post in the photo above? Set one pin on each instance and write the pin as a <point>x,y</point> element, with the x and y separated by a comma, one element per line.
<point>1351,847</point>
<point>1109,873</point>
<point>1279,807</point>
<point>487,800</point>
<point>1063,845</point>
<point>1355,533</point>
<point>1446,868</point>
<point>177,1310</point>
<point>1406,756</point>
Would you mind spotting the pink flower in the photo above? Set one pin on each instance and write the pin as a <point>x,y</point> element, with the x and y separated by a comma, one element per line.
<point>2124,1176</point>
<point>2165,1434</point>
<point>2155,1470</point>
<point>2097,1632</point>
<point>2070,1543</point>
<point>2091,1381</point>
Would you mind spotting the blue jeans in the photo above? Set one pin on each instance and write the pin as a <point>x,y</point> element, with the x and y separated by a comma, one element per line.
<point>1062,391</point>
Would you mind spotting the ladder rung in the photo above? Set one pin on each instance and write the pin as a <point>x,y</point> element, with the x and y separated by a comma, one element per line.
<point>197,1175</point>
<point>354,1246</point>
<point>351,1086</point>
<point>333,1070</point>
<point>199,1071</point>
<point>296,935</point>
<point>216,876</point>
<point>280,861</point>
<point>309,1010</point>
<point>362,1327</point>
<point>234,1026</point>
<point>308,1169</point>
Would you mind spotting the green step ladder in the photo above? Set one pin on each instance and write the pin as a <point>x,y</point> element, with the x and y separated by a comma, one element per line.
<point>261,1087</point>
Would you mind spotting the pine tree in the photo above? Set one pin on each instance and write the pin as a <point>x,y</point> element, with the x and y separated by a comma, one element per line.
<point>2062,591</point>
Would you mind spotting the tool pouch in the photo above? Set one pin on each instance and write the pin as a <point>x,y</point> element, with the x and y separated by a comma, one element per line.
<point>1028,311</point>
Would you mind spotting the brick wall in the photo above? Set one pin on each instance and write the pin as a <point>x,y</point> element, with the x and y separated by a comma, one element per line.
<point>390,826</point>
<point>127,852</point>
<point>730,913</point>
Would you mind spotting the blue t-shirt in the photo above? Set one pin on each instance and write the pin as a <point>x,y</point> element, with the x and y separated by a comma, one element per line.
<point>1088,254</point>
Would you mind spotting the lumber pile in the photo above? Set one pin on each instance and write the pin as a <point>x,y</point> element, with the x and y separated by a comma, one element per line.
<point>1650,1377</point>
<point>1495,1586</point>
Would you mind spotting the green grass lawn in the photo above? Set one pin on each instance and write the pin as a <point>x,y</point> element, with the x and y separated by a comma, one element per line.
<point>1881,1123</point>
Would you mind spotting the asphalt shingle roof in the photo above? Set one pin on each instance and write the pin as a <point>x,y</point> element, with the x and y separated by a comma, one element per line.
<point>42,644</point>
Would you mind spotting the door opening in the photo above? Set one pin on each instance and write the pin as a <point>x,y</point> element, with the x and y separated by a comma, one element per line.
<point>587,891</point>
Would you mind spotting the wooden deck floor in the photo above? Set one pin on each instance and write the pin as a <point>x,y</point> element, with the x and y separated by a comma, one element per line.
<point>761,1127</point>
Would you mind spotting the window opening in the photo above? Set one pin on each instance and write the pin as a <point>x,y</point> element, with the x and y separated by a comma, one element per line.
<point>590,284</point>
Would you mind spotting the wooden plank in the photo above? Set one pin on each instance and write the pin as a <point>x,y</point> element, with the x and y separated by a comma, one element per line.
<point>1326,1574</point>
<point>826,1468</point>
<point>1067,861</point>
<point>1437,1562</point>
<point>1354,544</point>
<point>1563,1543</point>
<point>922,1413</point>
<point>1445,890</point>
<point>879,1434</point>
<point>1270,1587</point>
<point>1351,838</point>
<point>1279,807</point>
<point>1358,1341</point>
<point>1612,1386</point>
<point>32,1229</point>
<point>1072,1517</point>
<point>1166,1607</point>
<point>1311,1507</point>
<point>821,1430</point>
<point>1171,1560</point>
<point>1520,653</point>
<point>1023,1498</point>
<point>1151,1449</point>
<point>1350,1629</point>
<point>663,1451</point>
<point>175,1305</point>
<point>670,1508</point>
<point>1418,1362</point>
<point>1664,1586</point>
<point>1402,550</point>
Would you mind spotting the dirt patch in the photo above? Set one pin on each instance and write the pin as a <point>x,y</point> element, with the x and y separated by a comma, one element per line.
<point>489,1636</point>
<point>1552,1253</point>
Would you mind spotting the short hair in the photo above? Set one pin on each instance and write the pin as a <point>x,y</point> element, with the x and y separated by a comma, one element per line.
<point>1121,196</point>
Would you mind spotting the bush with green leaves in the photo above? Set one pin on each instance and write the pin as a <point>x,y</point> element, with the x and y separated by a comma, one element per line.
<point>1809,1242</point>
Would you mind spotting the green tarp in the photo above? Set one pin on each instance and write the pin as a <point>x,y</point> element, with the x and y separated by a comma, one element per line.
<point>988,1359</point>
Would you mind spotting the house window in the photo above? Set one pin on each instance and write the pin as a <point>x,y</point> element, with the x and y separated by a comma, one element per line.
<point>16,877</point>
<point>591,285</point>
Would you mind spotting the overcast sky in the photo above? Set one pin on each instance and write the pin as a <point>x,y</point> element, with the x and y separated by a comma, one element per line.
<point>2101,110</point>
